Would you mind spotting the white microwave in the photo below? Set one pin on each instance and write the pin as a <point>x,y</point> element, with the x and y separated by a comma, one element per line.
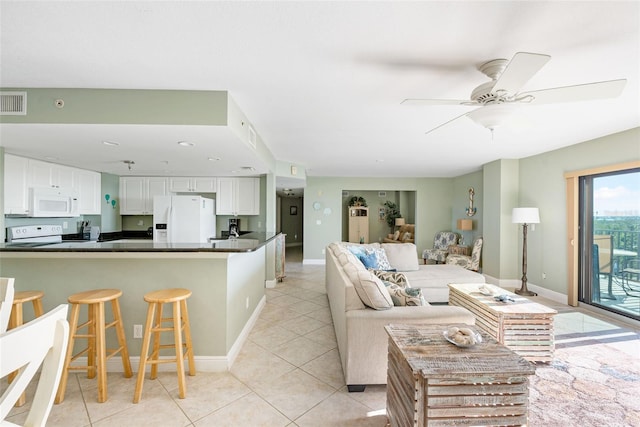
<point>52,202</point>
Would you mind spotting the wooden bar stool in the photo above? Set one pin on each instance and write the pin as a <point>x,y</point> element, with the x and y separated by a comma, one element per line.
<point>17,319</point>
<point>178,323</point>
<point>96,350</point>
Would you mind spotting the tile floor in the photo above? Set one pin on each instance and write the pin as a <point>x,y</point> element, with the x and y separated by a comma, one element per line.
<point>287,374</point>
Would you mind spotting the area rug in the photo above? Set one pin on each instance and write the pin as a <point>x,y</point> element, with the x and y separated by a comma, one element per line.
<point>589,383</point>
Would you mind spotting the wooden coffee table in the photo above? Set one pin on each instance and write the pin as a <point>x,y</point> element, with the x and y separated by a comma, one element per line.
<point>524,326</point>
<point>431,382</point>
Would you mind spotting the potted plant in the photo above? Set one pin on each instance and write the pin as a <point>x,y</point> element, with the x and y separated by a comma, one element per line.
<point>391,213</point>
<point>357,201</point>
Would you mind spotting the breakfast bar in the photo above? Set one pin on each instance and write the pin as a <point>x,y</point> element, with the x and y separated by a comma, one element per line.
<point>227,278</point>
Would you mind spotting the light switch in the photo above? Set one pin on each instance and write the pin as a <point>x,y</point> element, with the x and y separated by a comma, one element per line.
<point>318,222</point>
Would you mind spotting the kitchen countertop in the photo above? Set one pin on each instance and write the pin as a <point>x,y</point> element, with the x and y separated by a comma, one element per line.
<point>245,243</point>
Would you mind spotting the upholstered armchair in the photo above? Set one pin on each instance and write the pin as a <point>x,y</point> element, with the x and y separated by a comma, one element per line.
<point>441,244</point>
<point>469,262</point>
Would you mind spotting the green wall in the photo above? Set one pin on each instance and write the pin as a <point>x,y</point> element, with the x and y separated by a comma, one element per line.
<point>433,213</point>
<point>542,185</point>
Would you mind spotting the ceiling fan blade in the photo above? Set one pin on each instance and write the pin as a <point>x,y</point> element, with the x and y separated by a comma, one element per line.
<point>520,69</point>
<point>437,102</point>
<point>583,92</point>
<point>447,122</point>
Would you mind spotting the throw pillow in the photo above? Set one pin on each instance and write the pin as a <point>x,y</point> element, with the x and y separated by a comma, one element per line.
<point>382,262</point>
<point>372,258</point>
<point>406,236</point>
<point>402,256</point>
<point>396,235</point>
<point>405,296</point>
<point>372,291</point>
<point>393,277</point>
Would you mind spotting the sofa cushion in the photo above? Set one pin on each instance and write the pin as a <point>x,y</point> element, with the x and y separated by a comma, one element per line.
<point>402,296</point>
<point>372,291</point>
<point>402,257</point>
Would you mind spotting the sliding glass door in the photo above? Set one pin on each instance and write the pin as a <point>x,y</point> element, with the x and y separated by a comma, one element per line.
<point>609,224</point>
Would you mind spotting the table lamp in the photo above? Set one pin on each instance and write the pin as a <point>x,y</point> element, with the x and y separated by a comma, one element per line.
<point>525,216</point>
<point>464,225</point>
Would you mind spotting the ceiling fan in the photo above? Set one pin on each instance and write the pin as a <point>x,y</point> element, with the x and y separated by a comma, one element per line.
<point>498,98</point>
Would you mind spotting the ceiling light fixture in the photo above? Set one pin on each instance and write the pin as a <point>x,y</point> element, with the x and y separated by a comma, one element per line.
<point>186,143</point>
<point>129,163</point>
<point>492,115</point>
<point>214,159</point>
<point>110,143</point>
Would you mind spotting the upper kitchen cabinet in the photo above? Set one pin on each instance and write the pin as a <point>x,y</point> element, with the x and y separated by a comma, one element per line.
<point>43,174</point>
<point>89,187</point>
<point>22,173</point>
<point>238,196</point>
<point>192,185</point>
<point>137,193</point>
<point>16,188</point>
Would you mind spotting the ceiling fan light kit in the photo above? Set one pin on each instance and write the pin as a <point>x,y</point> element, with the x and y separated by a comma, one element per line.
<point>498,98</point>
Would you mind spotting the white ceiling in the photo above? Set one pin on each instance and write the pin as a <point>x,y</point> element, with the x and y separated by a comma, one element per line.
<point>322,82</point>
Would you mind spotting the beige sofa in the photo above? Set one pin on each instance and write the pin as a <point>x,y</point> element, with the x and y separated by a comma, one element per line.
<point>362,340</point>
<point>404,234</point>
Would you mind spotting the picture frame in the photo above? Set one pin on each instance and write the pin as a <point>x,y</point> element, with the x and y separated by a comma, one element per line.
<point>293,210</point>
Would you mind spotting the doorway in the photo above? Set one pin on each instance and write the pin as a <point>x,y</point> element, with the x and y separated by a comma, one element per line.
<point>609,237</point>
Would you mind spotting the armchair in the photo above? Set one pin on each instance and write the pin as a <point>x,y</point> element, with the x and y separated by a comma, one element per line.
<point>469,262</point>
<point>441,243</point>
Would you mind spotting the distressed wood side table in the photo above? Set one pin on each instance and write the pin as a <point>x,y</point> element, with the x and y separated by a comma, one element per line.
<point>431,382</point>
<point>524,326</point>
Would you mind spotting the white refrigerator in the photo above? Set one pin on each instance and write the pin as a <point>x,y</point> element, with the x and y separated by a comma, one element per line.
<point>183,219</point>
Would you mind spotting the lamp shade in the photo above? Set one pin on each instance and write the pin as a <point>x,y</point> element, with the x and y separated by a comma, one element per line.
<point>525,216</point>
<point>399,221</point>
<point>464,224</point>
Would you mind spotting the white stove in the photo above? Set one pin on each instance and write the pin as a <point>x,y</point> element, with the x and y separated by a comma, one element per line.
<point>34,235</point>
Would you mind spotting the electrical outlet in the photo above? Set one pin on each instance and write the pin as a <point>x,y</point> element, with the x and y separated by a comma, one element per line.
<point>65,225</point>
<point>544,276</point>
<point>140,222</point>
<point>137,331</point>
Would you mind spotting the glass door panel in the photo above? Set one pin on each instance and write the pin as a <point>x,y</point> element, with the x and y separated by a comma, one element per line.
<point>609,240</point>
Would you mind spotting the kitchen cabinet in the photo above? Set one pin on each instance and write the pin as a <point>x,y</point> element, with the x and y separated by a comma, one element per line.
<point>22,173</point>
<point>16,188</point>
<point>192,185</point>
<point>238,196</point>
<point>358,224</point>
<point>137,193</point>
<point>88,185</point>
<point>44,174</point>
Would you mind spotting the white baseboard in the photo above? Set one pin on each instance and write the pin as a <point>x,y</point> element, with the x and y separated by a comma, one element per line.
<point>512,284</point>
<point>320,261</point>
<point>203,363</point>
<point>242,338</point>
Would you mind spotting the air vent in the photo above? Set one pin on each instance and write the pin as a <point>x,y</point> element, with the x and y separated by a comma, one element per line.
<point>252,137</point>
<point>382,194</point>
<point>13,103</point>
<point>345,193</point>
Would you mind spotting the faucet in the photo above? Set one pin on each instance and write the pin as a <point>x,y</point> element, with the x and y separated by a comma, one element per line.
<point>234,234</point>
